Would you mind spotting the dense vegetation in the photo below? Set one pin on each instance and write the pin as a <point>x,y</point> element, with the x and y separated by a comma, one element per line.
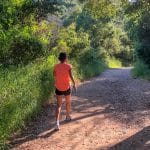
<point>95,34</point>
<point>138,28</point>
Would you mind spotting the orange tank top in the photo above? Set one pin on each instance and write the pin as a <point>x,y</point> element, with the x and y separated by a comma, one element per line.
<point>62,76</point>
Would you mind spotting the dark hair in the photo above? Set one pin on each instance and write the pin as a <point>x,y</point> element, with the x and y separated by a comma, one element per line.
<point>62,56</point>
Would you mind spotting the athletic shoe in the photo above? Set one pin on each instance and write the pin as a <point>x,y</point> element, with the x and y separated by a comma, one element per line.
<point>57,127</point>
<point>68,119</point>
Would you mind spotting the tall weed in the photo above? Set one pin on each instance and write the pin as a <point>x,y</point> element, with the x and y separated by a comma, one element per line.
<point>23,90</point>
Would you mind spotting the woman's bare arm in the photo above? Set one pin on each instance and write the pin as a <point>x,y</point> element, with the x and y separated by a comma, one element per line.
<point>72,79</point>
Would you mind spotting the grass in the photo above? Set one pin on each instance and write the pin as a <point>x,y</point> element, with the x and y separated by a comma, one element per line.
<point>113,63</point>
<point>23,90</point>
<point>91,70</point>
<point>141,70</point>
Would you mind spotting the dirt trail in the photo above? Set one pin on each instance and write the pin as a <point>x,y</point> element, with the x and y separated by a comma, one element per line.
<point>110,112</point>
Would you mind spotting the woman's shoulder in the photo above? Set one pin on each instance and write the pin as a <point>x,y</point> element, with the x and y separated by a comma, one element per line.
<point>56,65</point>
<point>68,65</point>
<point>62,65</point>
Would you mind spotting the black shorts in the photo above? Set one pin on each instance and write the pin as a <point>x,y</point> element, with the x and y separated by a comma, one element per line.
<point>66,93</point>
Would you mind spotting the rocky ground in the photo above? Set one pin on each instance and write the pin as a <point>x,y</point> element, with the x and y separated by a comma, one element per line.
<point>110,112</point>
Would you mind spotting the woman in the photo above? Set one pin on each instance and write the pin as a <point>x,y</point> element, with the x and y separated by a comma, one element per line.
<point>63,76</point>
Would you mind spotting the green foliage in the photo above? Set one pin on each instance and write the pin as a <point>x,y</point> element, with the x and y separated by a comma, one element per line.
<point>141,70</point>
<point>25,50</point>
<point>143,52</point>
<point>106,32</point>
<point>19,45</point>
<point>143,33</point>
<point>114,63</point>
<point>91,70</point>
<point>90,63</point>
<point>24,35</point>
<point>102,10</point>
<point>85,21</point>
<point>138,27</point>
<point>23,90</point>
<point>71,41</point>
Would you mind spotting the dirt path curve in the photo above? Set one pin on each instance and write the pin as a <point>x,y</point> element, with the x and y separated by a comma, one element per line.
<point>110,112</point>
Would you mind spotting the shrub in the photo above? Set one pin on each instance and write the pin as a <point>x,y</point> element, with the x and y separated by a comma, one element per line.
<point>90,63</point>
<point>141,70</point>
<point>143,52</point>
<point>23,90</point>
<point>25,50</point>
<point>113,62</point>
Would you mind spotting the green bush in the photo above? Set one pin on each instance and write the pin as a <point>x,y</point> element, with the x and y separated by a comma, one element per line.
<point>25,50</point>
<point>23,90</point>
<point>91,70</point>
<point>138,27</point>
<point>143,34</point>
<point>143,52</point>
<point>90,63</point>
<point>141,70</point>
<point>113,62</point>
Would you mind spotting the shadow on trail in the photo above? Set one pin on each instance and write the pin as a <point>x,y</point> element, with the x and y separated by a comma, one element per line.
<point>115,95</point>
<point>44,122</point>
<point>139,141</point>
<point>43,126</point>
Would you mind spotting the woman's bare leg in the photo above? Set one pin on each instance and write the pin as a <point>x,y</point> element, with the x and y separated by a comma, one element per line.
<point>68,105</point>
<point>58,108</point>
